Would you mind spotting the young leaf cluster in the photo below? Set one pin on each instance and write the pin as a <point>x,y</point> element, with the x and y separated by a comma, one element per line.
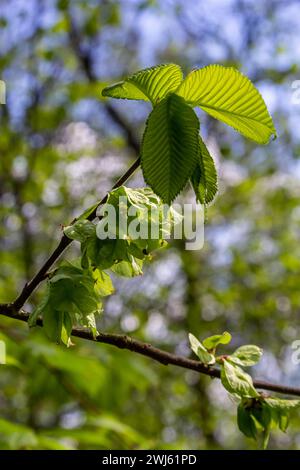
<point>119,251</point>
<point>257,414</point>
<point>75,291</point>
<point>73,296</point>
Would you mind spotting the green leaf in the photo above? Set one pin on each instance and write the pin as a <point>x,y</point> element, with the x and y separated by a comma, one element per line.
<point>103,283</point>
<point>280,411</point>
<point>130,268</point>
<point>266,438</point>
<point>57,326</point>
<point>80,230</point>
<point>85,300</point>
<point>89,321</point>
<point>200,351</point>
<point>283,420</point>
<point>52,321</point>
<point>39,309</point>
<point>262,414</point>
<point>246,356</point>
<point>170,147</point>
<point>227,95</point>
<point>236,381</point>
<point>245,422</point>
<point>66,329</point>
<point>204,178</point>
<point>103,254</point>
<point>73,290</point>
<point>124,90</point>
<point>281,404</point>
<point>212,341</point>
<point>72,297</point>
<point>151,84</point>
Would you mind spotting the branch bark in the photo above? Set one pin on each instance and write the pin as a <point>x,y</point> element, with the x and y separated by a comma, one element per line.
<point>146,349</point>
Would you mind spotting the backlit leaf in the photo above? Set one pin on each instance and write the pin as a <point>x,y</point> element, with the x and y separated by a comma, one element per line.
<point>151,84</point>
<point>228,95</point>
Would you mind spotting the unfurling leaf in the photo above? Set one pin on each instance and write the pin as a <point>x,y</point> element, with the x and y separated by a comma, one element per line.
<point>254,418</point>
<point>236,381</point>
<point>280,411</point>
<point>259,415</point>
<point>246,356</point>
<point>200,351</point>
<point>245,422</point>
<point>213,341</point>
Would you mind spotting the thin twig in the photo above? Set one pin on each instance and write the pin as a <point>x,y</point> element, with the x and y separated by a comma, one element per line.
<point>145,349</point>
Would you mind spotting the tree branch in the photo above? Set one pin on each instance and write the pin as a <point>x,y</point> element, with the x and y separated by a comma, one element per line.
<point>145,349</point>
<point>63,244</point>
